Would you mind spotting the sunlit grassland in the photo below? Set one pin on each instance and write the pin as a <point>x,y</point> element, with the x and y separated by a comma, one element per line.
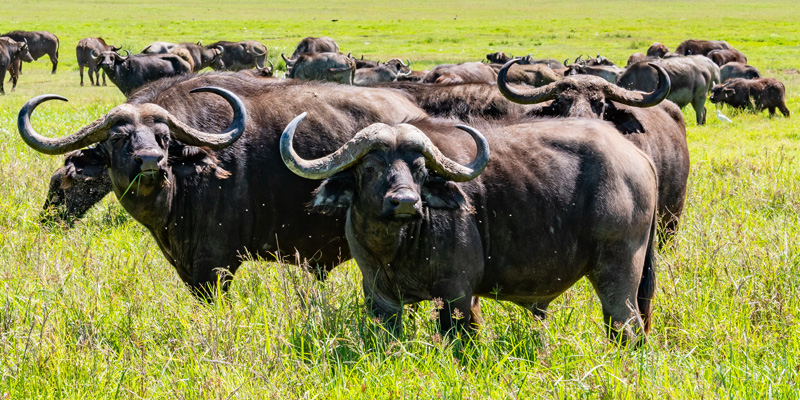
<point>95,311</point>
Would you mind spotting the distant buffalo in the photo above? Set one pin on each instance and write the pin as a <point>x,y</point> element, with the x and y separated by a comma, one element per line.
<point>657,50</point>
<point>701,47</point>
<point>39,44</point>
<point>738,70</point>
<point>331,67</point>
<point>11,53</point>
<point>83,53</point>
<point>237,56</point>
<point>722,57</point>
<point>468,72</point>
<point>755,95</point>
<point>133,71</point>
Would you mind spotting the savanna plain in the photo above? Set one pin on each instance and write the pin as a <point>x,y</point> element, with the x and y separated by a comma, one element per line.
<point>94,310</point>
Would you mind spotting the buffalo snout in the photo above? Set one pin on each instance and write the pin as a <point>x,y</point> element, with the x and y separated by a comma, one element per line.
<point>149,160</point>
<point>401,203</point>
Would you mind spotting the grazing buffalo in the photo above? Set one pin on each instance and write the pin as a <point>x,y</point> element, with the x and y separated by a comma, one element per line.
<point>657,50</point>
<point>266,72</point>
<point>694,47</point>
<point>468,72</point>
<point>77,186</point>
<point>155,141</point>
<point>11,54</point>
<point>738,70</point>
<point>202,56</point>
<point>529,73</point>
<point>133,71</point>
<point>559,200</point>
<point>755,95</point>
<point>692,78</point>
<point>83,52</point>
<point>722,57</point>
<point>310,44</point>
<point>654,126</point>
<point>40,43</point>
<point>236,56</point>
<point>331,67</point>
<point>160,48</point>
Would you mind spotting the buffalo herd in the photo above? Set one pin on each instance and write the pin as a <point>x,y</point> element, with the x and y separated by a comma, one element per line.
<point>509,180</point>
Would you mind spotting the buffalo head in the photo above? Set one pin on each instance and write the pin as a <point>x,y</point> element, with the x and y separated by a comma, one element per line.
<point>584,96</point>
<point>137,144</point>
<point>109,59</point>
<point>398,65</point>
<point>386,173</point>
<point>723,93</point>
<point>77,186</point>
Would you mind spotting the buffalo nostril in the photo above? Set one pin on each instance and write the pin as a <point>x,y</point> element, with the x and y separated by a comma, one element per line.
<point>394,202</point>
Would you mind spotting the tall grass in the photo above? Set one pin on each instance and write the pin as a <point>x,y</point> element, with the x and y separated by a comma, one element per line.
<point>95,311</point>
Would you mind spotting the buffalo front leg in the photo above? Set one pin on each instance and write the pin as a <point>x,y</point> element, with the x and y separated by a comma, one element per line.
<point>456,310</point>
<point>389,312</point>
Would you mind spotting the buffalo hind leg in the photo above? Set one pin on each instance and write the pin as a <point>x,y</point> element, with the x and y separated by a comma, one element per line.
<point>785,111</point>
<point>54,60</point>
<point>699,105</point>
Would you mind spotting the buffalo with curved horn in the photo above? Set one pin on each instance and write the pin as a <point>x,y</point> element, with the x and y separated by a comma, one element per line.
<point>524,229</point>
<point>655,126</point>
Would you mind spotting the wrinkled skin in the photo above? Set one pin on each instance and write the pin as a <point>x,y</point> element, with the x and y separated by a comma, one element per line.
<point>692,78</point>
<point>11,54</point>
<point>254,218</point>
<point>40,43</point>
<point>77,186</point>
<point>417,236</point>
<point>755,95</point>
<point>738,70</point>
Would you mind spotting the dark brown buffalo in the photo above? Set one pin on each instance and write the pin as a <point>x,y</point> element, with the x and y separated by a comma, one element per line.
<point>360,63</point>
<point>237,56</point>
<point>755,95</point>
<point>559,200</point>
<point>266,72</point>
<point>722,57</point>
<point>191,191</point>
<point>330,67</point>
<point>11,54</point>
<point>499,57</point>
<point>83,53</point>
<point>654,126</point>
<point>657,50</point>
<point>40,43</point>
<point>310,44</point>
<point>738,70</point>
<point>413,76</point>
<point>694,47</point>
<point>692,78</point>
<point>134,71</point>
<point>634,58</point>
<point>202,56</point>
<point>468,72</point>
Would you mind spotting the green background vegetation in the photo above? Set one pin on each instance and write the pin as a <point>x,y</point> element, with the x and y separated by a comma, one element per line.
<point>96,311</point>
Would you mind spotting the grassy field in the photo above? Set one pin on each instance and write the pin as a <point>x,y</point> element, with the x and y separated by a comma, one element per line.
<point>95,311</point>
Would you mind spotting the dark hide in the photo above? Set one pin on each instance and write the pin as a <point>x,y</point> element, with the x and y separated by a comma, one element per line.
<point>755,95</point>
<point>237,56</point>
<point>136,70</point>
<point>77,186</point>
<point>219,206</point>
<point>529,74</point>
<point>83,52</point>
<point>373,76</point>
<point>634,58</point>
<point>203,57</point>
<point>738,70</point>
<point>589,201</point>
<point>330,67</point>
<point>12,53</point>
<point>693,47</point>
<point>310,44</point>
<point>40,43</point>
<point>657,50</point>
<point>692,78</point>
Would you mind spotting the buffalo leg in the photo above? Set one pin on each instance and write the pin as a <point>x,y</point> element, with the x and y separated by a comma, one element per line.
<point>785,111</point>
<point>390,313</point>
<point>616,281</point>
<point>104,77</point>
<point>699,105</point>
<point>54,60</point>
<point>771,111</point>
<point>538,309</point>
<point>80,69</point>
<point>2,78</point>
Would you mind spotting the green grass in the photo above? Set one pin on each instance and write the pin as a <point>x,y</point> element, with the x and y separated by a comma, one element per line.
<point>96,311</point>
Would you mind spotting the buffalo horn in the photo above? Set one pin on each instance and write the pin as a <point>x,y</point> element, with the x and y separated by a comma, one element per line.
<point>566,60</point>
<point>639,99</point>
<point>271,66</point>
<point>194,137</point>
<point>536,95</point>
<point>408,63</point>
<point>373,137</point>
<point>127,54</point>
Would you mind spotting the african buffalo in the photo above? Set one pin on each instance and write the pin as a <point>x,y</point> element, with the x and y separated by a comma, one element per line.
<point>599,66</point>
<point>529,73</point>
<point>11,53</point>
<point>738,70</point>
<point>331,67</point>
<point>266,72</point>
<point>722,57</point>
<point>755,95</point>
<point>657,50</point>
<point>360,63</point>
<point>77,186</point>
<point>39,44</point>
<point>654,126</point>
<point>159,48</point>
<point>692,77</point>
<point>83,53</point>
<point>559,200</point>
<point>693,47</point>
<point>634,58</point>
<point>202,56</point>
<point>413,76</point>
<point>133,71</point>
<point>310,44</point>
<point>182,176</point>
<point>237,56</point>
<point>468,72</point>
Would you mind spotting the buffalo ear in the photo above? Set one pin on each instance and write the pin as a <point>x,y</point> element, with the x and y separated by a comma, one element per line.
<point>334,194</point>
<point>624,119</point>
<point>443,194</point>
